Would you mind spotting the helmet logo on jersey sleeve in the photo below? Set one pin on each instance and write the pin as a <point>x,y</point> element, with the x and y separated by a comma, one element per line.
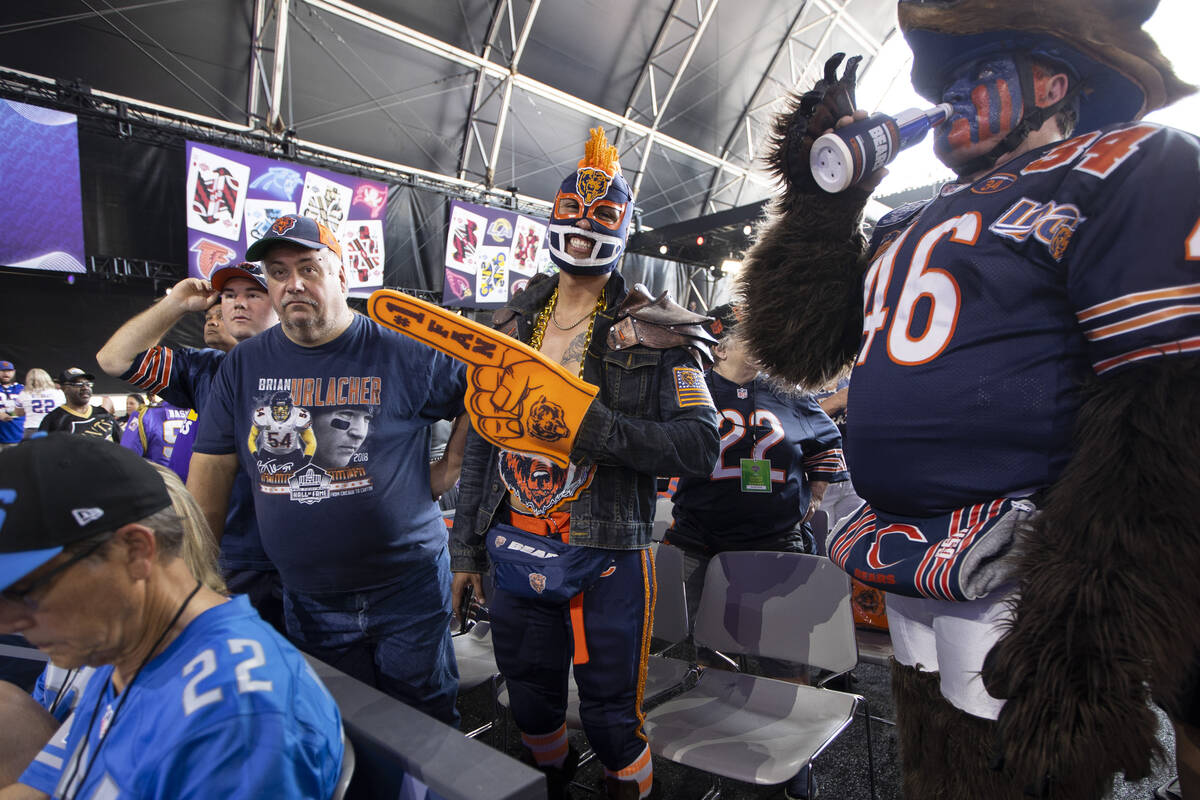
<point>994,183</point>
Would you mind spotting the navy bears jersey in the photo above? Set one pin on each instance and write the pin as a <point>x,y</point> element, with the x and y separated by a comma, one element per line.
<point>987,307</point>
<point>757,422</point>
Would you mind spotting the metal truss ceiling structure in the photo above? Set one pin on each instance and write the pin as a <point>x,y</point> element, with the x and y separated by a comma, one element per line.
<point>491,94</point>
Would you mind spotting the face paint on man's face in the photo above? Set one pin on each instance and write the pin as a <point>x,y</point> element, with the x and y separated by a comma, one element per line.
<point>988,105</point>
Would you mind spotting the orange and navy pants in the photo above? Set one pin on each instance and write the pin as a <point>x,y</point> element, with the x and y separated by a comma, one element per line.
<point>608,638</point>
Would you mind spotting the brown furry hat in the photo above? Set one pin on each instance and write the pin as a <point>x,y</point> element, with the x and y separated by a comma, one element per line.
<point>1102,41</point>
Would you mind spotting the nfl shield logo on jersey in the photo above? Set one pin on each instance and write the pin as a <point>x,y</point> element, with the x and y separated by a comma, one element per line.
<point>537,581</point>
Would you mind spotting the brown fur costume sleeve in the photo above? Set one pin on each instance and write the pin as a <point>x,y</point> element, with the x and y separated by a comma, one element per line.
<point>1108,590</point>
<point>801,282</point>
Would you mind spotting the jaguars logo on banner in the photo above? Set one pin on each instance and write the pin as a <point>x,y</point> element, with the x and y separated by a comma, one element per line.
<point>592,184</point>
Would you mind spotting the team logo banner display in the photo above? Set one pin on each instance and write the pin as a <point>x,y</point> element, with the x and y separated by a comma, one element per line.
<point>490,255</point>
<point>517,398</point>
<point>234,198</point>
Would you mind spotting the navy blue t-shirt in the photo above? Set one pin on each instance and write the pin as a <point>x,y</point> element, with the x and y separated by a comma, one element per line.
<point>183,377</point>
<point>338,436</point>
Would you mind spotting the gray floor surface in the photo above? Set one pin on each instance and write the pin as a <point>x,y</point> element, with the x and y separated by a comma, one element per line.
<point>841,770</point>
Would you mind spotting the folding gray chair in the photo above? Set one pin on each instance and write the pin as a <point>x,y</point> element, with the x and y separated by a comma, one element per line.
<point>347,773</point>
<point>820,528</point>
<point>662,518</point>
<point>760,730</point>
<point>476,666</point>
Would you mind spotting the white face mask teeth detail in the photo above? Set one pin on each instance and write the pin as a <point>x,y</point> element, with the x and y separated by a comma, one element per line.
<point>558,242</point>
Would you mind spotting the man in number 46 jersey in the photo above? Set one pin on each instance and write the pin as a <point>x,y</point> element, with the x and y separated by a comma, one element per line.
<point>194,696</point>
<point>1020,419</point>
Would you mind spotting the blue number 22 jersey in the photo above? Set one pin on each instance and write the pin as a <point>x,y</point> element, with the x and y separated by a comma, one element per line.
<point>229,710</point>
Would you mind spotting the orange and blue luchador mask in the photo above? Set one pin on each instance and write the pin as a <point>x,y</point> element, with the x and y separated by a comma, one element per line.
<point>590,220</point>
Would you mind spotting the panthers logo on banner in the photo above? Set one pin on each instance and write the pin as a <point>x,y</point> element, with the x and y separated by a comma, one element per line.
<point>592,184</point>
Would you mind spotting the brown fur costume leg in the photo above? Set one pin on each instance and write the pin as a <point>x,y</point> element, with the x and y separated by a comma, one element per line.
<point>1108,587</point>
<point>946,754</point>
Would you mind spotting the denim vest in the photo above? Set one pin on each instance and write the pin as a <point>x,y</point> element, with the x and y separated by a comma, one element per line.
<point>633,432</point>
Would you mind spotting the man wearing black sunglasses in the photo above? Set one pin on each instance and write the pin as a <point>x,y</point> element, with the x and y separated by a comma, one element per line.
<point>78,415</point>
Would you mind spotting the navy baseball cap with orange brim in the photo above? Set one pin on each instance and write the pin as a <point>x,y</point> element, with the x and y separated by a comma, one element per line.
<point>243,270</point>
<point>51,497</point>
<point>296,229</point>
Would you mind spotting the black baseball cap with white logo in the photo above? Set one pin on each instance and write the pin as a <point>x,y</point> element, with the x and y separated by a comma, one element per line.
<point>59,489</point>
<point>72,374</point>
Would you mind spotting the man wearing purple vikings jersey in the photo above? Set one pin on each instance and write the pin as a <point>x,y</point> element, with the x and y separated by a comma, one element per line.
<point>153,431</point>
<point>1023,345</point>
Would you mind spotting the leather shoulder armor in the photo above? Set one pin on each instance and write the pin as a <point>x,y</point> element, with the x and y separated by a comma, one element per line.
<point>660,323</point>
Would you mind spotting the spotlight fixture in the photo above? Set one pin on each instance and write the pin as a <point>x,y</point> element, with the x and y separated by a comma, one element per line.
<point>662,249</point>
<point>747,230</point>
<point>700,241</point>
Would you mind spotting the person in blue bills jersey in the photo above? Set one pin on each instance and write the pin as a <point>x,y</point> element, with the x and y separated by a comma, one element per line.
<point>330,414</point>
<point>12,424</point>
<point>1024,347</point>
<point>193,694</point>
<point>652,416</point>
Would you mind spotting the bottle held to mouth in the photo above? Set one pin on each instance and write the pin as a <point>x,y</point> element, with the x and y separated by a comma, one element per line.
<point>842,158</point>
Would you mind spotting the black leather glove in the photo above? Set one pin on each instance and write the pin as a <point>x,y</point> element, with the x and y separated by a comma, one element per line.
<point>809,116</point>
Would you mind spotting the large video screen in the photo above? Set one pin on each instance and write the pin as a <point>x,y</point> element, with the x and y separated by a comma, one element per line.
<point>233,197</point>
<point>41,210</point>
<point>490,255</point>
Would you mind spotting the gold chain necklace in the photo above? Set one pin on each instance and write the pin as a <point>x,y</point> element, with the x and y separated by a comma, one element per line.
<point>544,316</point>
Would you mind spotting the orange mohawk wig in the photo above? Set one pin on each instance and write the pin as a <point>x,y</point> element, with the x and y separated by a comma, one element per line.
<point>601,155</point>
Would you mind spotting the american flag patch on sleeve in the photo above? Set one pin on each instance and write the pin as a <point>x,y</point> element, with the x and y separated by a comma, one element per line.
<point>690,388</point>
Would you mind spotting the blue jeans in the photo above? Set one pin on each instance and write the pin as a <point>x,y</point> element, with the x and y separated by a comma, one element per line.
<point>394,637</point>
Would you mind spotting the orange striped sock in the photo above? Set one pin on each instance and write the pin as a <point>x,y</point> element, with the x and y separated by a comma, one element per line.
<point>640,771</point>
<point>549,749</point>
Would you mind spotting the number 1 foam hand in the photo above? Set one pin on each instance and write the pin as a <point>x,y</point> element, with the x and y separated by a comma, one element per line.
<point>516,397</point>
